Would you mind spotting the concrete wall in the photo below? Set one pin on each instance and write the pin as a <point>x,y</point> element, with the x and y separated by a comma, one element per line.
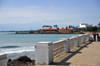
<point>3,60</point>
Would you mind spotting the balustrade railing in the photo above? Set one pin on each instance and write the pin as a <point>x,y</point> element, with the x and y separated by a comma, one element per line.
<point>46,51</point>
<point>58,48</point>
<point>85,37</point>
<point>72,43</point>
<point>79,39</point>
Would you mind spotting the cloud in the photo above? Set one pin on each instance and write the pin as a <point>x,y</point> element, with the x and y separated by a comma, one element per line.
<point>28,14</point>
<point>34,6</point>
<point>22,12</point>
<point>44,15</point>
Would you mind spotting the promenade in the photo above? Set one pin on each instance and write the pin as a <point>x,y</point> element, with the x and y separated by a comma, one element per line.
<point>87,54</point>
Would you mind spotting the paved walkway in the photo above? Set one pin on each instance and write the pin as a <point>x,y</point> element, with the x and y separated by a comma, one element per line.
<point>87,54</point>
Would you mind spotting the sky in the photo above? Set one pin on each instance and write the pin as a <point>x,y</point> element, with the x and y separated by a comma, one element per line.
<point>33,14</point>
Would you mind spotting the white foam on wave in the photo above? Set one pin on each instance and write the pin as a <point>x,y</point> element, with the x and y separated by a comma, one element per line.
<point>16,50</point>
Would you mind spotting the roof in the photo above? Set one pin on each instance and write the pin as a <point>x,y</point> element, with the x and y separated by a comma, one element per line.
<point>66,29</point>
<point>49,29</point>
<point>69,28</point>
<point>63,29</point>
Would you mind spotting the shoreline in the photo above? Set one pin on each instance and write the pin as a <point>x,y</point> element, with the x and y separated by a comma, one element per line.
<point>91,32</point>
<point>50,33</point>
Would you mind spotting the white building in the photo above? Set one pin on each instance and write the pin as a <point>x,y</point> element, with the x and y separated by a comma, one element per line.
<point>84,25</point>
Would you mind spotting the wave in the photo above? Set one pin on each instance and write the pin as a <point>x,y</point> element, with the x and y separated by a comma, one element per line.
<point>16,50</point>
<point>9,46</point>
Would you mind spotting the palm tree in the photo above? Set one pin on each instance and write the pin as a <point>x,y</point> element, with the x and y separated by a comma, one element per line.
<point>50,26</point>
<point>46,26</point>
<point>55,26</point>
<point>43,28</point>
<point>99,25</point>
<point>66,27</point>
<point>70,26</point>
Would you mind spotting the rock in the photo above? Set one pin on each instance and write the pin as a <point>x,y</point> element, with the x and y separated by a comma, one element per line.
<point>9,60</point>
<point>23,59</point>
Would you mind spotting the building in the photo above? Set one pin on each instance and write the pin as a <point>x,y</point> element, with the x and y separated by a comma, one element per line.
<point>48,30</point>
<point>84,25</point>
<point>64,30</point>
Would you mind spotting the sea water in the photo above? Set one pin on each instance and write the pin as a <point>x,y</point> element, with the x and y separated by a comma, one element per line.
<point>16,45</point>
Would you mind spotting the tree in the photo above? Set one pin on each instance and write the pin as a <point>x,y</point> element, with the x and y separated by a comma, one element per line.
<point>43,26</point>
<point>50,26</point>
<point>55,26</point>
<point>70,26</point>
<point>73,27</point>
<point>66,27</point>
<point>92,28</point>
<point>99,26</point>
<point>38,30</point>
<point>47,26</point>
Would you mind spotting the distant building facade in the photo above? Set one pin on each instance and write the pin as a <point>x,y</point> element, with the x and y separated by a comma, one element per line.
<point>64,30</point>
<point>48,30</point>
<point>84,25</point>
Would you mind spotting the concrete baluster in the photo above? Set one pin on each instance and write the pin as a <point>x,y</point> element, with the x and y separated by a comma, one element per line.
<point>76,44</point>
<point>66,45</point>
<point>43,53</point>
<point>88,35</point>
<point>83,36</point>
<point>93,37</point>
<point>96,38</point>
<point>81,40</point>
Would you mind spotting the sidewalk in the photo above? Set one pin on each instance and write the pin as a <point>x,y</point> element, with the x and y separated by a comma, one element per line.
<point>87,54</point>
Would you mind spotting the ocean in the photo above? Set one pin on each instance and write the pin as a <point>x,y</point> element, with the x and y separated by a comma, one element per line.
<point>16,45</point>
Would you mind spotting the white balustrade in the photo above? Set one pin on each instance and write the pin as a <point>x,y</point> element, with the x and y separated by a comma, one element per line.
<point>72,42</point>
<point>83,36</point>
<point>96,38</point>
<point>80,39</point>
<point>3,60</point>
<point>86,37</point>
<point>93,37</point>
<point>66,45</point>
<point>58,48</point>
<point>76,44</point>
<point>45,52</point>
